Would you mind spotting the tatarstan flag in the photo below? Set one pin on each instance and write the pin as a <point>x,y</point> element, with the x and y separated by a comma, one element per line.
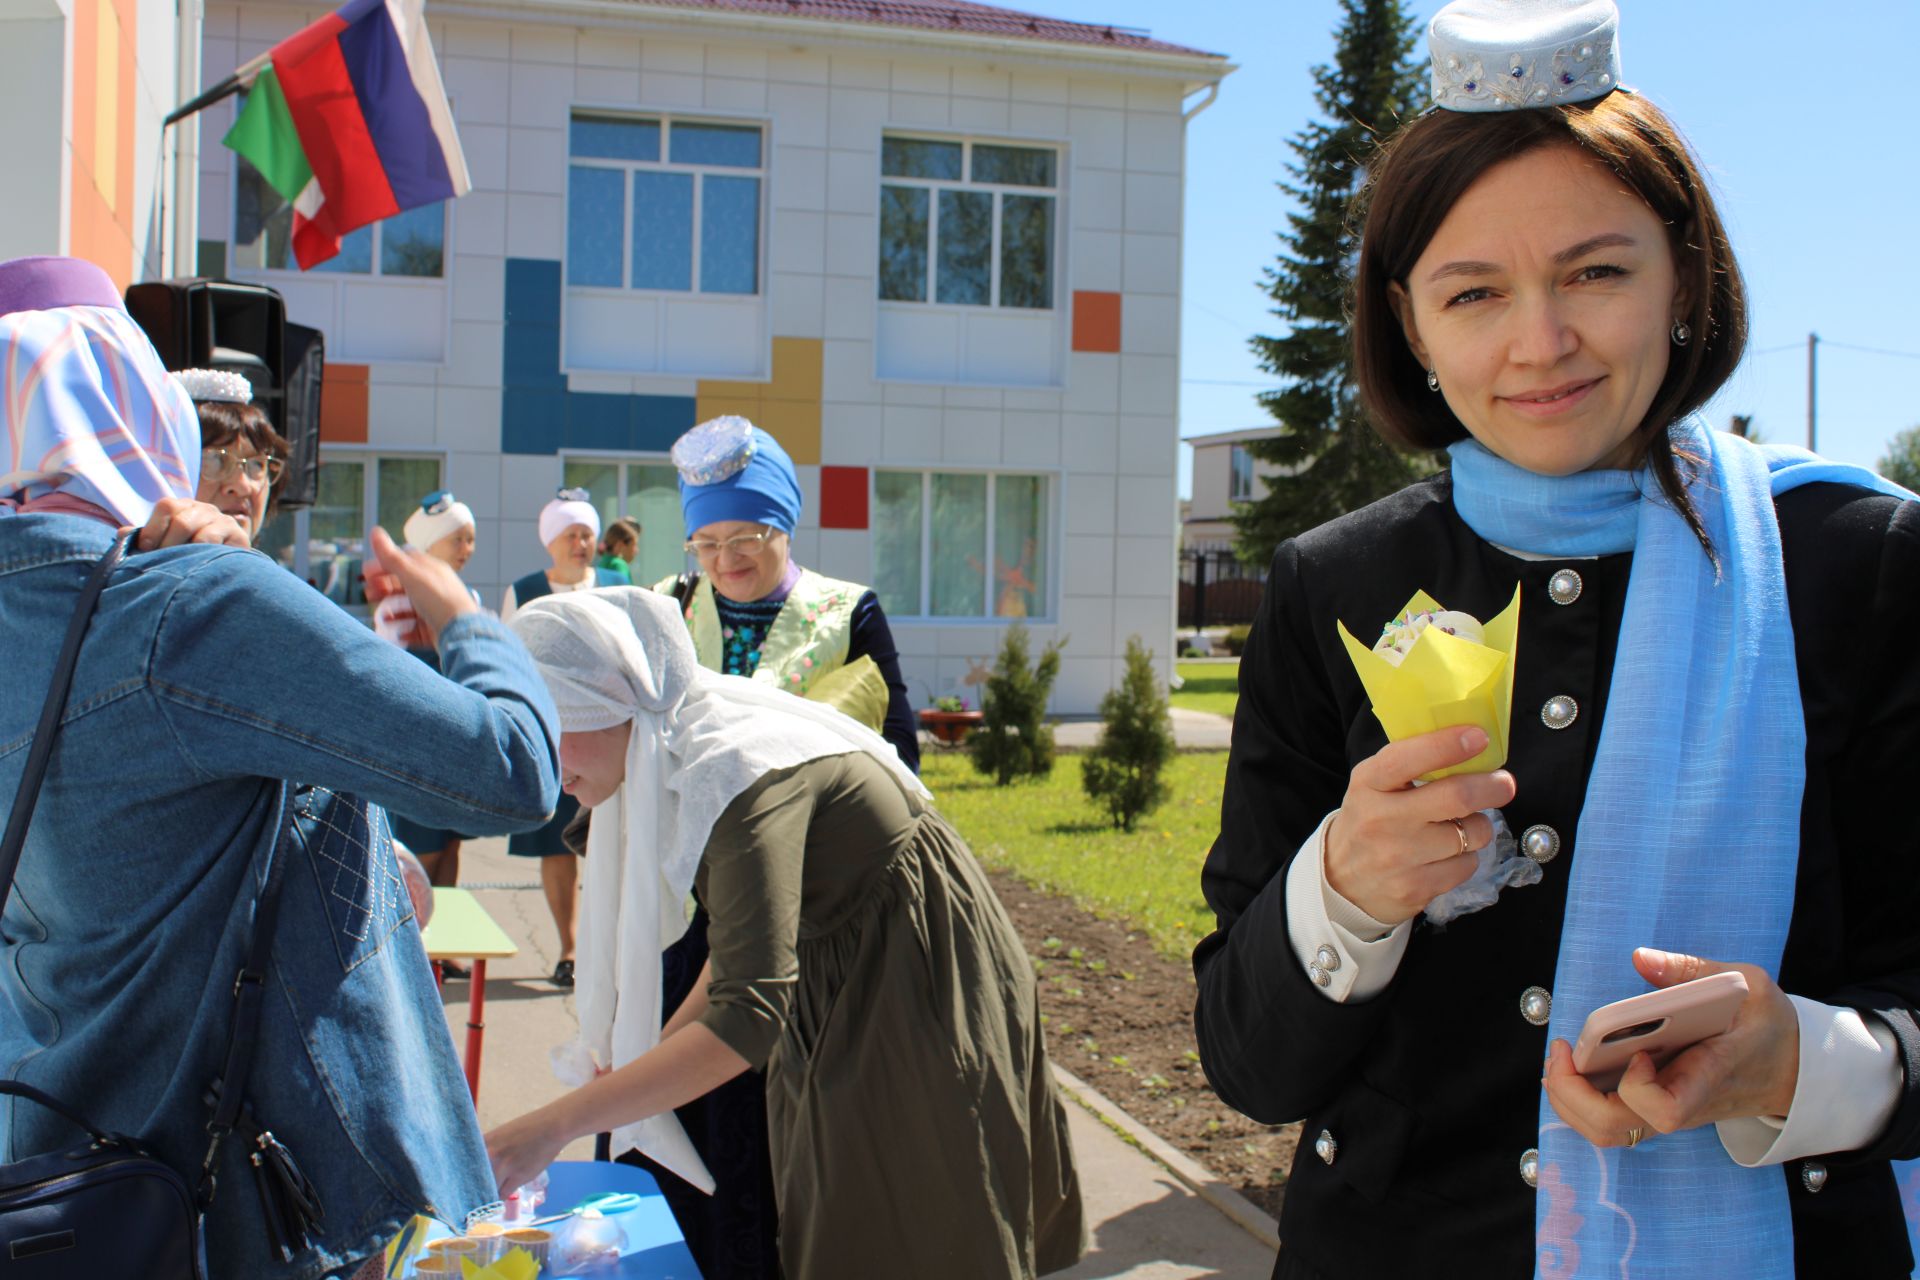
<point>349,121</point>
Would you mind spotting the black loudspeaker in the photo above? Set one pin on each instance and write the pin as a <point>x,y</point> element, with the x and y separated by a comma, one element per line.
<point>306,366</point>
<point>224,324</point>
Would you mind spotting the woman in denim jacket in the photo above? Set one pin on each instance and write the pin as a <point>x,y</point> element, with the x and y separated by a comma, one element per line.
<point>209,681</point>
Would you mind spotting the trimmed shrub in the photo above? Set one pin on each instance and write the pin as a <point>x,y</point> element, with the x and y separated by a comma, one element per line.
<point>1014,739</point>
<point>1122,772</point>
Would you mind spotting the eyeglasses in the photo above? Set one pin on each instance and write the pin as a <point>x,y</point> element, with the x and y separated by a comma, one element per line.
<point>220,464</point>
<point>743,544</point>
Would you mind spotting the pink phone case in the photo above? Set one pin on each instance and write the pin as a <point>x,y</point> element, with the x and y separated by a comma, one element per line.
<point>1659,1023</point>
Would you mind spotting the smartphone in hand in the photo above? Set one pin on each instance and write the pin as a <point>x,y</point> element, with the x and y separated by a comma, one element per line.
<point>1659,1023</point>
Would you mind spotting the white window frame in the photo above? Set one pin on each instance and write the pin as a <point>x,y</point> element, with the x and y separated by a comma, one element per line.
<point>369,457</point>
<point>1049,539</point>
<point>620,462</point>
<point>700,172</point>
<point>1057,192</point>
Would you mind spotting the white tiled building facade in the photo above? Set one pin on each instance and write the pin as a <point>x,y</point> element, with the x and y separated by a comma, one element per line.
<point>938,257</point>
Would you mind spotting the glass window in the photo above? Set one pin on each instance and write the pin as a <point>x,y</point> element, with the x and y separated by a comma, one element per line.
<point>1026,251</point>
<point>596,214</point>
<point>1019,540</point>
<point>412,243</point>
<point>615,138</point>
<point>1239,475</point>
<point>1013,166</point>
<point>644,215</point>
<point>990,239</point>
<point>966,248</point>
<point>402,483</point>
<point>896,545</point>
<point>653,498</point>
<point>725,144</point>
<point>648,492</point>
<point>920,158</point>
<point>958,555</point>
<point>336,532</point>
<point>662,230</point>
<point>935,535</point>
<point>730,235</point>
<point>903,243</point>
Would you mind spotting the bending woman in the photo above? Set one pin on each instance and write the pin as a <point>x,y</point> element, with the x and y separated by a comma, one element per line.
<point>1713,713</point>
<point>858,953</point>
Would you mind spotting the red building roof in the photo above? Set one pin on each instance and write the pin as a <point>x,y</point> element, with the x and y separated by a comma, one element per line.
<point>950,15</point>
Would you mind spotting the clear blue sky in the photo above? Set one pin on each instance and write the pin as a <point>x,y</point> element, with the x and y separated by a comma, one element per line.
<point>1801,114</point>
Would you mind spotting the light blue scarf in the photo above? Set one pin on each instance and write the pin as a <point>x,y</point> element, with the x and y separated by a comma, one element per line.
<point>1690,834</point>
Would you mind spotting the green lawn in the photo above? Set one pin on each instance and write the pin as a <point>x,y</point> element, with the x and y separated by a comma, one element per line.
<point>1210,686</point>
<point>1050,835</point>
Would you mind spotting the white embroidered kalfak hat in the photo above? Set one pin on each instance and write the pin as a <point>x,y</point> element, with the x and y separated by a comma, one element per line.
<point>218,386</point>
<point>1509,55</point>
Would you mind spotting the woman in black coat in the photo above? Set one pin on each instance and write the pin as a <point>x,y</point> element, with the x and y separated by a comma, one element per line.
<point>1549,291</point>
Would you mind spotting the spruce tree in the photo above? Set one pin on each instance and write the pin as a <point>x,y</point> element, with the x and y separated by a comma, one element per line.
<point>1123,770</point>
<point>1014,740</point>
<point>1333,461</point>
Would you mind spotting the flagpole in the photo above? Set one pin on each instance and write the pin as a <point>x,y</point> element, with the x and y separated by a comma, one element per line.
<point>233,84</point>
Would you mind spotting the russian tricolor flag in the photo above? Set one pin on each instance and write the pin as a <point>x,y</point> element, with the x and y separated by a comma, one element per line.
<point>349,121</point>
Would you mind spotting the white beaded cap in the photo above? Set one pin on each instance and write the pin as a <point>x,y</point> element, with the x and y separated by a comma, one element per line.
<point>1511,55</point>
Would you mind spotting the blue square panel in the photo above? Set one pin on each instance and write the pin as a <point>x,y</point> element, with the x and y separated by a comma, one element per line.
<point>530,357</point>
<point>660,420</point>
<point>599,421</point>
<point>533,292</point>
<point>532,420</point>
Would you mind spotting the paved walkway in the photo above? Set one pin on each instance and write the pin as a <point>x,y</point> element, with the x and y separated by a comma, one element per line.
<point>1145,1224</point>
<point>1192,730</point>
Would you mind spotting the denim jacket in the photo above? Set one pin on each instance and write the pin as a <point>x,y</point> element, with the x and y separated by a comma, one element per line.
<point>224,714</point>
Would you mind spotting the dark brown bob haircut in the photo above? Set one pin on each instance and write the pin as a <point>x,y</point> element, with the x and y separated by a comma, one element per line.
<point>1425,168</point>
<point>223,421</point>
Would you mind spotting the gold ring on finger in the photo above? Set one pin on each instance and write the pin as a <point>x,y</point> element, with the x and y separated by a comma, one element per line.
<point>1460,829</point>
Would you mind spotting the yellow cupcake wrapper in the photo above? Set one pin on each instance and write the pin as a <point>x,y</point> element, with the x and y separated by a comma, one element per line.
<point>1444,681</point>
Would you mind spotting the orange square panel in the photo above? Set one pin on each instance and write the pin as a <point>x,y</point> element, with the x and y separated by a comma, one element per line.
<point>1096,321</point>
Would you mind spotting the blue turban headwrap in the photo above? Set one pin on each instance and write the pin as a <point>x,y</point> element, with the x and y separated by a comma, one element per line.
<point>732,470</point>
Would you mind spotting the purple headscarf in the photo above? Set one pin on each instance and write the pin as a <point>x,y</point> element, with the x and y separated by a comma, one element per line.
<point>89,416</point>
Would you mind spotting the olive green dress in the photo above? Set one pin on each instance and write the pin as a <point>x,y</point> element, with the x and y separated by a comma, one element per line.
<point>861,956</point>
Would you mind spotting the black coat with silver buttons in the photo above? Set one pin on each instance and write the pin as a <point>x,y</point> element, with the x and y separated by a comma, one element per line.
<point>1429,1092</point>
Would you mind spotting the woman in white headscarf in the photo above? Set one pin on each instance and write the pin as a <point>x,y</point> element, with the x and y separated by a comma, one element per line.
<point>857,952</point>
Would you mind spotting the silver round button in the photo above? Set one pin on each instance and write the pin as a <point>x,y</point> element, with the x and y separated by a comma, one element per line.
<point>1559,711</point>
<point>1321,978</point>
<point>1327,958</point>
<point>1530,1167</point>
<point>1541,843</point>
<point>1564,587</point>
<point>1325,1147</point>
<point>1536,1005</point>
<point>1813,1176</point>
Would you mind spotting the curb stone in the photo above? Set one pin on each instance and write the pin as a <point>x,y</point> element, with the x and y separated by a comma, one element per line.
<point>1200,1180</point>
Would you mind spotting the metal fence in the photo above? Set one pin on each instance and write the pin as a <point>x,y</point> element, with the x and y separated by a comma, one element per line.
<point>1216,589</point>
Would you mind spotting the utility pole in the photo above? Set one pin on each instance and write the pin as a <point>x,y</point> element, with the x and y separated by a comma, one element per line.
<point>1813,342</point>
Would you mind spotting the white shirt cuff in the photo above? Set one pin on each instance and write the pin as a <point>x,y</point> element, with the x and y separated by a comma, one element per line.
<point>1846,1093</point>
<point>1348,954</point>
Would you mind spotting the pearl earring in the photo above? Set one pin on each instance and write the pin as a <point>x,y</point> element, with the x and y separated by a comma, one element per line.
<point>1433,379</point>
<point>1681,333</point>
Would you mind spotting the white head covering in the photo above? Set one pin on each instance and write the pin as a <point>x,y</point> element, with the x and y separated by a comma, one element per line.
<point>562,514</point>
<point>438,515</point>
<point>699,739</point>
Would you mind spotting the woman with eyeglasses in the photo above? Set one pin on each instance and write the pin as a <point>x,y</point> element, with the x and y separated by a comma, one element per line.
<point>753,612</point>
<point>570,531</point>
<point>243,460</point>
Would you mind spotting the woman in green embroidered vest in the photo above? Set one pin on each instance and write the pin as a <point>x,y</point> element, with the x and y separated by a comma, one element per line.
<point>753,612</point>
